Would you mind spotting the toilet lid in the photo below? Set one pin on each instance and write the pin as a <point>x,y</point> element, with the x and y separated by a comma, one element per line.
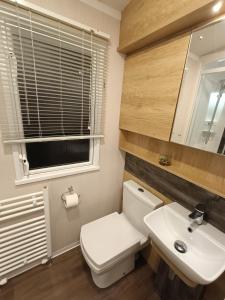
<point>110,238</point>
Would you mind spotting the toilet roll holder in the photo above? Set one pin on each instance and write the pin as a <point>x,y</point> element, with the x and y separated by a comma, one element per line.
<point>70,191</point>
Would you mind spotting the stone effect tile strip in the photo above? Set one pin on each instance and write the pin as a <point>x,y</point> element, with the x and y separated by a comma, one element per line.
<point>178,189</point>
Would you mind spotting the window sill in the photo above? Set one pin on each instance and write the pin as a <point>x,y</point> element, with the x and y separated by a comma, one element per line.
<point>56,174</point>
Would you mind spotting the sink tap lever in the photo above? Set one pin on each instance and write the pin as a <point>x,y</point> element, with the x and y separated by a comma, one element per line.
<point>198,214</point>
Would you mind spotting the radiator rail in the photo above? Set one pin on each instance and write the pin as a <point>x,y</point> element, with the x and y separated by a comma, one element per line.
<point>25,238</point>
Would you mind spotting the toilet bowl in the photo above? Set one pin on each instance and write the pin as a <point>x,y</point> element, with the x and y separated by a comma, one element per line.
<point>109,244</point>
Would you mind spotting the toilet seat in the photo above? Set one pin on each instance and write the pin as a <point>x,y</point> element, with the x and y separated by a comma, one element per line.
<point>108,240</point>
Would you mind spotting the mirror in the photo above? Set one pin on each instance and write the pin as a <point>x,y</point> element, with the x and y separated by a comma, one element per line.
<point>200,115</point>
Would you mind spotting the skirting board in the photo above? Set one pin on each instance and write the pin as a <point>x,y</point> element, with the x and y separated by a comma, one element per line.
<point>65,249</point>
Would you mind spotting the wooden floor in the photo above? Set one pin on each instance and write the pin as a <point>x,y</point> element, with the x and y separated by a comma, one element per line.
<point>69,278</point>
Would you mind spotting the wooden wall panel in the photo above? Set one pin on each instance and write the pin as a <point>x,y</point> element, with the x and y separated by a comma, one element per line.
<point>199,167</point>
<point>178,189</point>
<point>147,21</point>
<point>151,86</point>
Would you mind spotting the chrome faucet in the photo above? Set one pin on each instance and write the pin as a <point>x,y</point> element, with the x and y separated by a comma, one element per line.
<point>198,214</point>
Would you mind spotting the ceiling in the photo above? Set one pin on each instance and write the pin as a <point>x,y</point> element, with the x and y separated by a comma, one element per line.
<point>116,4</point>
<point>208,40</point>
<point>112,8</point>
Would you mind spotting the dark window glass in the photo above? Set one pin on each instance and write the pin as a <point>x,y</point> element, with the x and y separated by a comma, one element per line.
<point>50,154</point>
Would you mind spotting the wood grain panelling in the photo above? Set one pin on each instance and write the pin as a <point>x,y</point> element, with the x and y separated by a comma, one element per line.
<point>146,21</point>
<point>151,85</point>
<point>178,189</point>
<point>69,278</point>
<point>202,168</point>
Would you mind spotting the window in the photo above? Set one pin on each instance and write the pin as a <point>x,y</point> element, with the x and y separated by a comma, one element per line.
<point>53,81</point>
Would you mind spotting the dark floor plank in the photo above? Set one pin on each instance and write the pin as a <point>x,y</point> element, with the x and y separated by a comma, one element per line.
<point>69,278</point>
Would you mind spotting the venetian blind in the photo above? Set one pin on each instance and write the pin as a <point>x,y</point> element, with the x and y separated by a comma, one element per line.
<point>52,78</point>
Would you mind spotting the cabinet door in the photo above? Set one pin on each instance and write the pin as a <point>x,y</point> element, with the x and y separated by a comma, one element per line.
<point>151,85</point>
<point>147,21</point>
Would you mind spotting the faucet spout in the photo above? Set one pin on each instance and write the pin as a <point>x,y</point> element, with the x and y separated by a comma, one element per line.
<point>198,214</point>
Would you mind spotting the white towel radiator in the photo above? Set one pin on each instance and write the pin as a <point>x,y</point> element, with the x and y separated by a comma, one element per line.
<point>25,238</point>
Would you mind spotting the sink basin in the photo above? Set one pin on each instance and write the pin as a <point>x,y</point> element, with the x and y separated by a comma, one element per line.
<point>203,257</point>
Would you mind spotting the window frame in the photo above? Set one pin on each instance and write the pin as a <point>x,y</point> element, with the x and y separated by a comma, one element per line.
<point>56,171</point>
<point>19,149</point>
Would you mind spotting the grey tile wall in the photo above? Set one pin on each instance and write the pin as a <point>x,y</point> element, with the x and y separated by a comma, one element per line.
<point>178,189</point>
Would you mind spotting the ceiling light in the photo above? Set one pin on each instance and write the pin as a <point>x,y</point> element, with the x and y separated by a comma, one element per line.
<point>201,37</point>
<point>217,7</point>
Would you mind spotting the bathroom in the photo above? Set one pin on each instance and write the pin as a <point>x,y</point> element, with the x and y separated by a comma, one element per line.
<point>112,144</point>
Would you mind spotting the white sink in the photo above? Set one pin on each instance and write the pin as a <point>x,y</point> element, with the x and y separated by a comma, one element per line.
<point>204,260</point>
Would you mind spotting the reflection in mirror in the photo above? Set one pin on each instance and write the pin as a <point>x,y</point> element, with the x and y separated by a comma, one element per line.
<point>200,116</point>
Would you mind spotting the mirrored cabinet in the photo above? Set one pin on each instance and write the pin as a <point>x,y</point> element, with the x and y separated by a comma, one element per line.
<point>200,115</point>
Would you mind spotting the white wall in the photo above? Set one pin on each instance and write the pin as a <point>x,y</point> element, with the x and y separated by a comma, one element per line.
<point>101,190</point>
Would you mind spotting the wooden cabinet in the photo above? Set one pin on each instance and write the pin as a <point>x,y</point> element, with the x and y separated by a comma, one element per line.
<point>199,167</point>
<point>152,79</point>
<point>146,21</point>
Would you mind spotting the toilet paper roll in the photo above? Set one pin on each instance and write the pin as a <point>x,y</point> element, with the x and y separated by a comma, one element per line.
<point>71,200</point>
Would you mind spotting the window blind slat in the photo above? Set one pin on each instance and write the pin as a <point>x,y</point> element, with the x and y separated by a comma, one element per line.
<point>51,30</point>
<point>52,78</point>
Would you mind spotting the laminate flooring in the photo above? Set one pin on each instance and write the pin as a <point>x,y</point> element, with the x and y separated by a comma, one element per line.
<point>68,278</point>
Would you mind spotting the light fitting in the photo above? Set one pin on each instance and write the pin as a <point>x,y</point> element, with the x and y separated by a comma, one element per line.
<point>216,7</point>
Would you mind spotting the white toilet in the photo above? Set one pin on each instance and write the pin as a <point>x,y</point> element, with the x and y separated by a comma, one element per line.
<point>109,244</point>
